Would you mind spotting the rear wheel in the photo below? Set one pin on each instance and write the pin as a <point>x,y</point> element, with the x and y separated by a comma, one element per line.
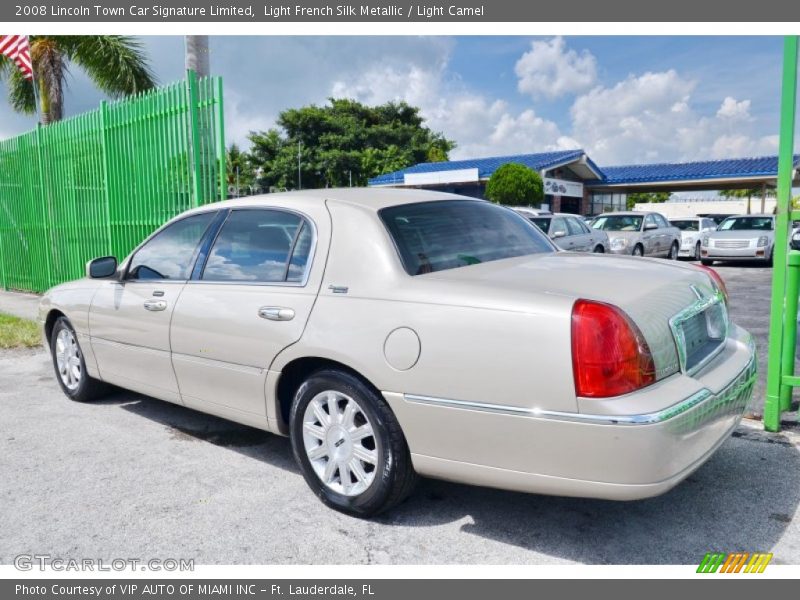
<point>349,444</point>
<point>697,251</point>
<point>638,250</point>
<point>673,251</point>
<point>70,365</point>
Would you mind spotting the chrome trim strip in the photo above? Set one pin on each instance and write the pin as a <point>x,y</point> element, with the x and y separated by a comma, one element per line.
<point>641,419</point>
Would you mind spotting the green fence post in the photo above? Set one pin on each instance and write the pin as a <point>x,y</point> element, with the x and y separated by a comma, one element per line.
<point>779,316</point>
<point>106,175</point>
<point>223,160</point>
<point>194,141</point>
<point>45,203</point>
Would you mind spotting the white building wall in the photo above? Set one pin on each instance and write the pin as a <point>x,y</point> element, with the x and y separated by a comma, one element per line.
<point>693,208</point>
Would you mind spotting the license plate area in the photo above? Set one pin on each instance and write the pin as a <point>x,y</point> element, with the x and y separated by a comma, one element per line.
<point>700,332</point>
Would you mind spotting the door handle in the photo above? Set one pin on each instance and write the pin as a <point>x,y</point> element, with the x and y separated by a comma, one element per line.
<point>276,313</point>
<point>155,305</point>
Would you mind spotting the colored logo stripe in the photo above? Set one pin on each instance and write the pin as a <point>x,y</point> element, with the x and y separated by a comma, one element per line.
<point>734,562</point>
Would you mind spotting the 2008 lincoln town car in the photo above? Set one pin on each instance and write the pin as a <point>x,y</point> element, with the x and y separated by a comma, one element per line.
<point>391,333</point>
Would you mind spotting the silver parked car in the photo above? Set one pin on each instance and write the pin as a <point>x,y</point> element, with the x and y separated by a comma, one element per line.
<point>640,234</point>
<point>570,232</point>
<point>391,333</point>
<point>742,237</point>
<point>692,230</point>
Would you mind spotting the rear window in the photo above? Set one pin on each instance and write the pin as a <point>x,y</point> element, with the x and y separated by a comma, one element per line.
<point>686,225</point>
<point>434,236</point>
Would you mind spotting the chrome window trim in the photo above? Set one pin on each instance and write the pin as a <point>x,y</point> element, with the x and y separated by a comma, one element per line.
<point>660,416</point>
<point>702,304</point>
<point>294,284</point>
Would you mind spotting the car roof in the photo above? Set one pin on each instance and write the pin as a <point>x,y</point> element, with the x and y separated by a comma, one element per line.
<point>628,213</point>
<point>371,198</point>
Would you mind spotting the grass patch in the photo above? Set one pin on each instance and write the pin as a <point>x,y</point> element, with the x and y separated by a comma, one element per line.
<point>18,333</point>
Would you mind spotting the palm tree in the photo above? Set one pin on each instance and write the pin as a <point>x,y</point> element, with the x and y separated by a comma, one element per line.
<point>115,63</point>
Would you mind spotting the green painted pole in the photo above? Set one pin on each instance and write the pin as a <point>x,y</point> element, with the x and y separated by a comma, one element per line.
<point>778,316</point>
<point>194,130</point>
<point>223,162</point>
<point>789,332</point>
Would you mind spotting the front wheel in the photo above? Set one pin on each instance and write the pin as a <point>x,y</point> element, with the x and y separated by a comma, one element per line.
<point>673,251</point>
<point>599,249</point>
<point>349,444</point>
<point>638,250</point>
<point>70,366</point>
<point>697,253</point>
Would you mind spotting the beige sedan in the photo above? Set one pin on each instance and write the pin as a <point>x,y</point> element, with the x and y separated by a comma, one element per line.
<point>392,333</point>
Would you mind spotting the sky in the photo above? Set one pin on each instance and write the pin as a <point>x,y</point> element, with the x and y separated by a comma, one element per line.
<point>622,99</point>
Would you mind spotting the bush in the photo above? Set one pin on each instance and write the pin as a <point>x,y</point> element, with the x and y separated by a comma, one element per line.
<point>515,185</point>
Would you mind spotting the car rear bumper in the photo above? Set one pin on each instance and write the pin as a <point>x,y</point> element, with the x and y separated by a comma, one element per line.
<point>610,453</point>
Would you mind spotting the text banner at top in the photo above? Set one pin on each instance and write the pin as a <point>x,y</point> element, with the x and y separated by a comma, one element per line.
<point>310,11</point>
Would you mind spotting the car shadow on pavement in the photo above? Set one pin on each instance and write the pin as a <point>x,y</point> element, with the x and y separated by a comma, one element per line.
<point>742,499</point>
<point>190,425</point>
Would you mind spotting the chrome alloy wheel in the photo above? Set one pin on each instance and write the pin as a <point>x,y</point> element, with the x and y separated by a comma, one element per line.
<point>68,359</point>
<point>340,443</point>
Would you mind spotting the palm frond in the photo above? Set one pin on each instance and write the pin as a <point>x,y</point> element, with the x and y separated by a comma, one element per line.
<point>20,93</point>
<point>115,63</point>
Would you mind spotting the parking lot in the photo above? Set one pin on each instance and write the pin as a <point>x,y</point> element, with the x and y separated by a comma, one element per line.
<point>131,476</point>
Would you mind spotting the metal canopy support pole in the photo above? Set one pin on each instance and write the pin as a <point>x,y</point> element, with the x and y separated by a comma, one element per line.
<point>779,316</point>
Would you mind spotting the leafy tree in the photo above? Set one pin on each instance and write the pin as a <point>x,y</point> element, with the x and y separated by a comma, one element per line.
<point>116,64</point>
<point>645,197</point>
<point>515,185</point>
<point>240,172</point>
<point>343,142</point>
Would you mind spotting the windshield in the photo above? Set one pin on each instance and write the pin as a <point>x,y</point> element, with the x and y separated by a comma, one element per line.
<point>746,223</point>
<point>686,225</point>
<point>434,236</point>
<point>542,223</point>
<point>618,223</point>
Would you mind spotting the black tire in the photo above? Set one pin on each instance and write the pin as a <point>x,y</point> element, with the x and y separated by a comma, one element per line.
<point>770,260</point>
<point>705,262</point>
<point>638,250</point>
<point>87,387</point>
<point>697,254</point>
<point>599,249</point>
<point>394,475</point>
<point>673,251</point>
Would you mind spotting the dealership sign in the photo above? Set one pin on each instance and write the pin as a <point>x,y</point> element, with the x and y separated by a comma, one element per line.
<point>561,187</point>
<point>432,178</point>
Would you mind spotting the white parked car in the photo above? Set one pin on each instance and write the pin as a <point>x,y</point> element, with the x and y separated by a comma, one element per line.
<point>741,237</point>
<point>570,232</point>
<point>391,333</point>
<point>692,230</point>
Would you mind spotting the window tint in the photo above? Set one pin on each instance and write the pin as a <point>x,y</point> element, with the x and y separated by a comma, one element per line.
<point>558,227</point>
<point>650,220</point>
<point>254,245</point>
<point>434,236</point>
<point>170,253</point>
<point>574,227</point>
<point>542,223</point>
<point>301,254</point>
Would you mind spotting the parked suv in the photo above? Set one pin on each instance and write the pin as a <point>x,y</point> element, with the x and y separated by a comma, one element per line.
<point>640,234</point>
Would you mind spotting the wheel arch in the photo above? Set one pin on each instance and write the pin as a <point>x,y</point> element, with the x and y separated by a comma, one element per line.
<point>294,373</point>
<point>52,316</point>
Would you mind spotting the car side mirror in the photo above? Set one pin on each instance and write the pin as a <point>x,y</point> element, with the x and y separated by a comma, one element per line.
<point>650,226</point>
<point>100,268</point>
<point>559,234</point>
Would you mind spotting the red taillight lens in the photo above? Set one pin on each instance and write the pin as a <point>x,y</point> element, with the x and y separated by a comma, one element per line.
<point>717,279</point>
<point>609,354</point>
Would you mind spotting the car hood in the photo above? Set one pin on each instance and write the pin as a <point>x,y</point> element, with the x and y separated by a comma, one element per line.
<point>650,291</point>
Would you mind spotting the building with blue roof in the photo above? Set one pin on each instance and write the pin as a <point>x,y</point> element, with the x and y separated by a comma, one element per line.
<point>574,183</point>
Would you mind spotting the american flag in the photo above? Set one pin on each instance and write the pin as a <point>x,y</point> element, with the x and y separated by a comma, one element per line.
<point>17,48</point>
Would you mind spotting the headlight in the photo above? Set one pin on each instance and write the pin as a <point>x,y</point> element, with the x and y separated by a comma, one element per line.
<point>618,243</point>
<point>763,241</point>
<point>705,240</point>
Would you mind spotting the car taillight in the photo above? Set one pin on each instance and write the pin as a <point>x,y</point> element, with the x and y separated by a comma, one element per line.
<point>717,279</point>
<point>610,356</point>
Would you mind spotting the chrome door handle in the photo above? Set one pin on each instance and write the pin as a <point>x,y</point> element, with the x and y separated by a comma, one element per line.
<point>276,313</point>
<point>155,305</point>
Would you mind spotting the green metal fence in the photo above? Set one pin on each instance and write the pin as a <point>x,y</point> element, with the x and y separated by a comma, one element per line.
<point>98,183</point>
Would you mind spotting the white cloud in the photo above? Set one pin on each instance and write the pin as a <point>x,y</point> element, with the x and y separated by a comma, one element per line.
<point>650,117</point>
<point>481,125</point>
<point>731,109</point>
<point>549,70</point>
